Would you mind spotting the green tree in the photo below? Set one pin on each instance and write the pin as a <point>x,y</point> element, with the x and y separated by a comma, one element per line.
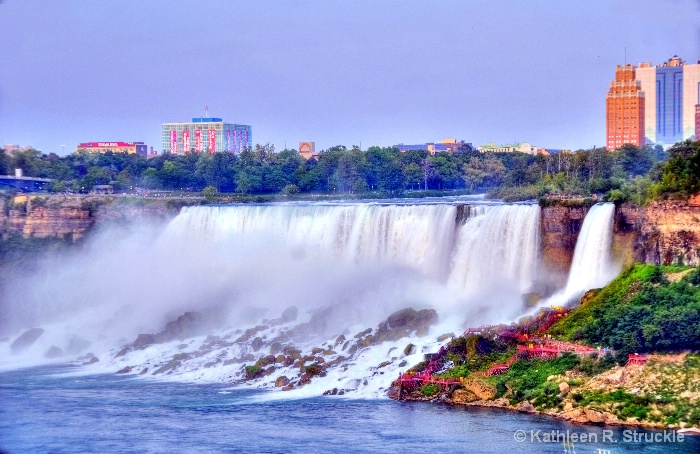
<point>413,175</point>
<point>95,176</point>
<point>249,180</point>
<point>209,193</point>
<point>635,160</point>
<point>681,174</point>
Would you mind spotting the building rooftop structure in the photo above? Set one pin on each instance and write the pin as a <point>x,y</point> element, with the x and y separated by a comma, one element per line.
<point>307,150</point>
<point>24,184</point>
<point>139,148</point>
<point>206,134</point>
<point>445,145</point>
<point>520,147</point>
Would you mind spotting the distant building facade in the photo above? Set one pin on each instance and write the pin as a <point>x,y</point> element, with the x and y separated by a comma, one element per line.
<point>522,147</point>
<point>206,134</point>
<point>11,148</point>
<point>22,183</point>
<point>308,150</point>
<point>671,92</point>
<point>138,148</point>
<point>445,145</point>
<point>624,109</point>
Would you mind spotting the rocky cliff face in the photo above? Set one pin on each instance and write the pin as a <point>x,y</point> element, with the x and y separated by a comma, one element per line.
<point>70,217</point>
<point>662,233</point>
<point>560,227</point>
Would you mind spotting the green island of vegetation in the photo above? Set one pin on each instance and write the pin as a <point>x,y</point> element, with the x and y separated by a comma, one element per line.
<point>639,335</point>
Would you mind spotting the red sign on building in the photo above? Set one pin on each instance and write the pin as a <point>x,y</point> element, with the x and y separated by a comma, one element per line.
<point>212,141</point>
<point>186,141</point>
<point>173,141</point>
<point>198,142</point>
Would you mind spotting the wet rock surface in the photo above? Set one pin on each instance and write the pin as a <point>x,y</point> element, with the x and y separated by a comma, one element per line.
<point>53,352</point>
<point>26,340</point>
<point>280,353</point>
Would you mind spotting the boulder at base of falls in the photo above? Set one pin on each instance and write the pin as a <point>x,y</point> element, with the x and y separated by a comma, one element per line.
<point>88,359</point>
<point>531,299</point>
<point>281,381</point>
<point>143,340</point>
<point>409,350</point>
<point>290,314</point>
<point>395,391</point>
<point>444,337</point>
<point>257,344</point>
<point>26,340</point>
<point>77,345</point>
<point>412,319</point>
<point>53,352</point>
<point>187,325</point>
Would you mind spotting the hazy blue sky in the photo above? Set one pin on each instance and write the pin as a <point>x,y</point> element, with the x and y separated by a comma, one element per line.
<point>337,72</point>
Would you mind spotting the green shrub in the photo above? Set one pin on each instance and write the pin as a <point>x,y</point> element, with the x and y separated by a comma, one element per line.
<point>209,193</point>
<point>429,389</point>
<point>252,371</point>
<point>313,369</point>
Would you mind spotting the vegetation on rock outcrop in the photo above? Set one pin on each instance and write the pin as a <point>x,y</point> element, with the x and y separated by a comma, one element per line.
<point>648,309</point>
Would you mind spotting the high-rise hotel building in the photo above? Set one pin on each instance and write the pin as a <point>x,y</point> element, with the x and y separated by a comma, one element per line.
<point>206,134</point>
<point>671,95</point>
<point>624,106</point>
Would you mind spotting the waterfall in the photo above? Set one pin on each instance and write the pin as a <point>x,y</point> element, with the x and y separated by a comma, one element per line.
<point>496,244</point>
<point>499,246</point>
<point>592,265</point>
<point>417,236</point>
<point>345,266</point>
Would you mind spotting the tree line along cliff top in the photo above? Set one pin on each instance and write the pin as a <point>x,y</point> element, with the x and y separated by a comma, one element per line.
<point>634,174</point>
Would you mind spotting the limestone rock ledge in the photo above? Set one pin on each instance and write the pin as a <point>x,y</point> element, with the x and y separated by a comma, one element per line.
<point>70,217</point>
<point>664,233</point>
<point>560,227</point>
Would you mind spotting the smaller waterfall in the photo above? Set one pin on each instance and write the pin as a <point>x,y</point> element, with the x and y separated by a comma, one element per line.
<point>593,265</point>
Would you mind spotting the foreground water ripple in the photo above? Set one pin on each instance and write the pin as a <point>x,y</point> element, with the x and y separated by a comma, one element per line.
<point>45,410</point>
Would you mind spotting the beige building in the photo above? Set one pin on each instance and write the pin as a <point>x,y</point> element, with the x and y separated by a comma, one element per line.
<point>522,147</point>
<point>308,150</point>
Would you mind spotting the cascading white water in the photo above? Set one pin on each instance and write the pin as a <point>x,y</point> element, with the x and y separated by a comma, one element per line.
<point>361,261</point>
<point>592,265</point>
<point>496,244</point>
<point>499,246</point>
<point>418,236</point>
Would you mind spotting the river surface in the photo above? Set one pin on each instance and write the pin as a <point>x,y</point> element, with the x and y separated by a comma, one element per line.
<point>53,409</point>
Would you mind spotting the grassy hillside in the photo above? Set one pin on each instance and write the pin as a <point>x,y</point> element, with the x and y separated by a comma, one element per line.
<point>646,309</point>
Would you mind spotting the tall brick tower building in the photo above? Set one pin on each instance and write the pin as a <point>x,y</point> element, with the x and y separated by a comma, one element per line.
<point>624,106</point>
